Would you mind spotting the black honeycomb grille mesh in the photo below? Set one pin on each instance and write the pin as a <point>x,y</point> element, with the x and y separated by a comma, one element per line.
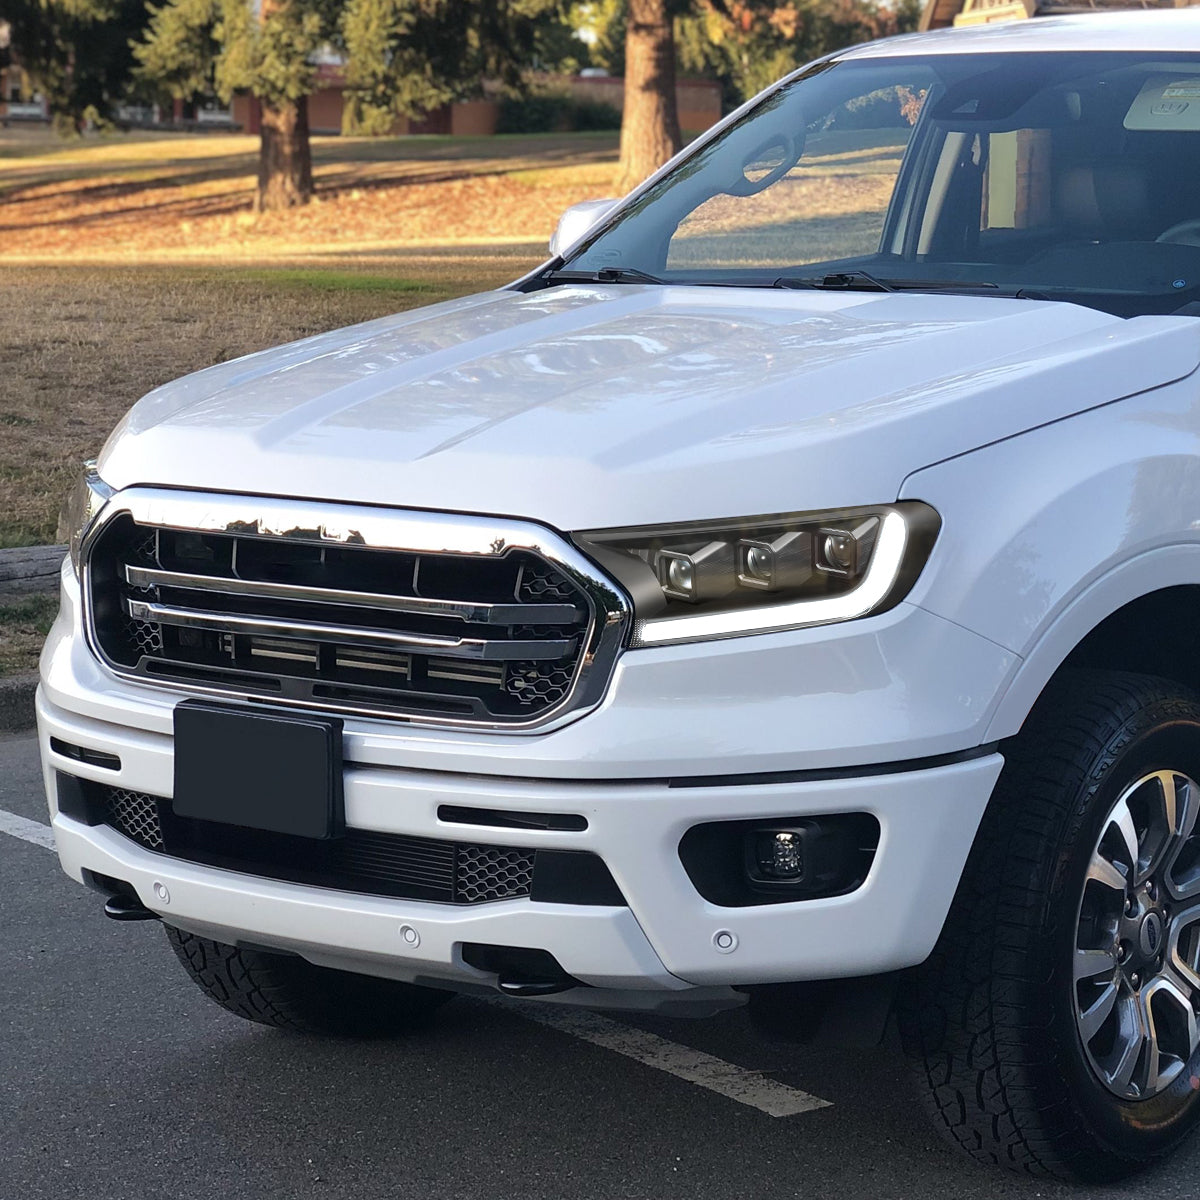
<point>362,861</point>
<point>493,873</point>
<point>135,815</point>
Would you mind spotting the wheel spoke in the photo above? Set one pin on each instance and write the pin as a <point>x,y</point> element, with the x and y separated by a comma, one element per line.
<point>1186,798</point>
<point>1090,963</point>
<point>1168,783</point>
<point>1122,820</point>
<point>1183,949</point>
<point>1105,873</point>
<point>1152,1071</point>
<point>1131,1039</point>
<point>1091,1019</point>
<point>1164,848</point>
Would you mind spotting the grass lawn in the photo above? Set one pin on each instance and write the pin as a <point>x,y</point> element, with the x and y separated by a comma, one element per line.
<point>138,198</point>
<point>23,627</point>
<point>79,345</point>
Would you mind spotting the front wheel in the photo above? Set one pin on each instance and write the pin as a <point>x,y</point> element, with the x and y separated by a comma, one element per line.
<point>288,992</point>
<point>1055,1026</point>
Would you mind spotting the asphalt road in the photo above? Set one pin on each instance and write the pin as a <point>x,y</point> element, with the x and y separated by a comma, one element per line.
<point>119,1081</point>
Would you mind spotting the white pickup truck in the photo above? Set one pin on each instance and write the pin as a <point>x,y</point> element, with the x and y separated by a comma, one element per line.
<point>787,596</point>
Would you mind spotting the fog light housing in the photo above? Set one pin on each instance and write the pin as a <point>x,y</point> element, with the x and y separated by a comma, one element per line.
<point>736,864</point>
<point>805,857</point>
<point>779,854</point>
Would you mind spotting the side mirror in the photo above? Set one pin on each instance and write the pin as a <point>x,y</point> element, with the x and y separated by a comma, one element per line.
<point>576,221</point>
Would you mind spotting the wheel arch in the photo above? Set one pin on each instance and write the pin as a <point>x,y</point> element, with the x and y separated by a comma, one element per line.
<point>1116,623</point>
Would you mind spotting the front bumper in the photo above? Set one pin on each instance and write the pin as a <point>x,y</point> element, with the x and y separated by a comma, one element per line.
<point>643,769</point>
<point>664,942</point>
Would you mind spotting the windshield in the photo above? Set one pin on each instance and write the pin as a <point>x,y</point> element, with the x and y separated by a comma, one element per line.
<point>1056,175</point>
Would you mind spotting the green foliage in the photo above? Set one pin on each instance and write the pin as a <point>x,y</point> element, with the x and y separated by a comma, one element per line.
<point>403,57</point>
<point>749,44</point>
<point>406,57</point>
<point>180,50</point>
<point>554,112</point>
<point>194,46</point>
<point>557,47</point>
<point>602,23</point>
<point>77,53</point>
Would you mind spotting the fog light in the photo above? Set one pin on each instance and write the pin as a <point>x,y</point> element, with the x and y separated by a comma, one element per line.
<point>780,854</point>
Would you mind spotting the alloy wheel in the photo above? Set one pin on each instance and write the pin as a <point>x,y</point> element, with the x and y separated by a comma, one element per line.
<point>1136,976</point>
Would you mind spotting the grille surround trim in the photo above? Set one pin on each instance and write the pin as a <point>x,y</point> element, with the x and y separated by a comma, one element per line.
<point>376,528</point>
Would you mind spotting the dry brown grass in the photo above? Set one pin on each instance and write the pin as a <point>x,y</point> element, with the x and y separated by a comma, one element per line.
<point>174,197</point>
<point>79,345</point>
<point>23,628</point>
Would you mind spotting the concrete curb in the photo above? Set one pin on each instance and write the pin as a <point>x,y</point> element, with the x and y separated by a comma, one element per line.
<point>16,703</point>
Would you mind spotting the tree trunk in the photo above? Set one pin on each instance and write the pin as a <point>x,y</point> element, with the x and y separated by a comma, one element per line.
<point>285,177</point>
<point>650,124</point>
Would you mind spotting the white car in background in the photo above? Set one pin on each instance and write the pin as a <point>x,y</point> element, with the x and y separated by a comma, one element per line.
<point>787,595</point>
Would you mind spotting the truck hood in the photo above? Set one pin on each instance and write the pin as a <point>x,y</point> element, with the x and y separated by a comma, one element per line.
<point>589,406</point>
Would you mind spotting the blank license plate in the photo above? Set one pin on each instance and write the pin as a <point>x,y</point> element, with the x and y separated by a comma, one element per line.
<point>259,770</point>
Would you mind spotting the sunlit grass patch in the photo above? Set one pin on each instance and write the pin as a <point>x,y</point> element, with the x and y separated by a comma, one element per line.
<point>23,628</point>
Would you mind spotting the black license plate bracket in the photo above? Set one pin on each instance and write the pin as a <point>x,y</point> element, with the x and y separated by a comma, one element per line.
<point>259,769</point>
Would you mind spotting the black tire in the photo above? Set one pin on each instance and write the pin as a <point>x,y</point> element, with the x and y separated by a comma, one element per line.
<point>288,992</point>
<point>993,1017</point>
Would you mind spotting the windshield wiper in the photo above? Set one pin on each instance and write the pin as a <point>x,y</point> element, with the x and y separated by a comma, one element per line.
<point>604,275</point>
<point>861,280</point>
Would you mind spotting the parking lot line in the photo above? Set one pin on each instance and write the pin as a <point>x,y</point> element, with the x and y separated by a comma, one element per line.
<point>704,1070</point>
<point>694,1066</point>
<point>26,830</point>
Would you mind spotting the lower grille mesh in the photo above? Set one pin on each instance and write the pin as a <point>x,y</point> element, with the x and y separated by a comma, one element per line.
<point>135,815</point>
<point>360,861</point>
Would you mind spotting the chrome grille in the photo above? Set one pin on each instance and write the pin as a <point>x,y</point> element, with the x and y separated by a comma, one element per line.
<point>503,630</point>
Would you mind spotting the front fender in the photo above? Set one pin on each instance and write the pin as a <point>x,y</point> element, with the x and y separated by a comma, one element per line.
<point>1048,533</point>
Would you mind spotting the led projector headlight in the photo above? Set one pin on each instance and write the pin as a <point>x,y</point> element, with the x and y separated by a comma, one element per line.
<point>721,579</point>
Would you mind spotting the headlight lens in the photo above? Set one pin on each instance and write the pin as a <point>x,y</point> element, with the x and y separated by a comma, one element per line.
<point>82,506</point>
<point>761,574</point>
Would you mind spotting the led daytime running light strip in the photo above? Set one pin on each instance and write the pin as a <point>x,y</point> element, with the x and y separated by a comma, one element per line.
<point>886,561</point>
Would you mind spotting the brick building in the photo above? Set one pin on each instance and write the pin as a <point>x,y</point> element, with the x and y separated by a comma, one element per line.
<point>699,103</point>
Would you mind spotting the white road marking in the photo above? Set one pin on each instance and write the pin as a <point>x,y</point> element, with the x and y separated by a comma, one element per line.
<point>704,1070</point>
<point>26,830</point>
<point>694,1066</point>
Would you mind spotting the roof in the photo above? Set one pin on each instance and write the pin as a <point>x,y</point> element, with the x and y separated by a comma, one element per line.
<point>1159,30</point>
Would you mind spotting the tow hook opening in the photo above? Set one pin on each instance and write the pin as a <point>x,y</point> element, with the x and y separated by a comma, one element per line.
<point>520,970</point>
<point>122,903</point>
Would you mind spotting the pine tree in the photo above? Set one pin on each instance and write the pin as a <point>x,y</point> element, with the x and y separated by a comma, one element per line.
<point>77,53</point>
<point>403,58</point>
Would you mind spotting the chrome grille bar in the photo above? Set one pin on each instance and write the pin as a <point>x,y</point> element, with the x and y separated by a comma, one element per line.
<point>444,619</point>
<point>483,614</point>
<point>540,650</point>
